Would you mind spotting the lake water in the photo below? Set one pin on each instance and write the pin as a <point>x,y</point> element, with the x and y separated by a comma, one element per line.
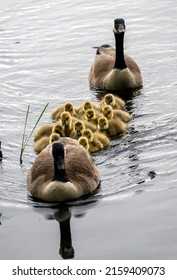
<point>45,56</point>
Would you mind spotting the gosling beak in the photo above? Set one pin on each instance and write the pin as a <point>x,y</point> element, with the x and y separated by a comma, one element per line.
<point>101,128</point>
<point>63,123</point>
<point>79,133</point>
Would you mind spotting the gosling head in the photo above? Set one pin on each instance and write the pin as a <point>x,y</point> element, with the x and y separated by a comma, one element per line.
<point>90,115</point>
<point>65,118</point>
<point>103,124</point>
<point>87,106</point>
<point>54,137</point>
<point>88,134</point>
<point>107,112</point>
<point>79,127</point>
<point>119,26</point>
<point>58,129</point>
<point>109,100</point>
<point>83,141</point>
<point>69,108</point>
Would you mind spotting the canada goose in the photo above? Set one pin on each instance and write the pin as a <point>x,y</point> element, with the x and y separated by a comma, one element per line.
<point>63,171</point>
<point>83,141</point>
<point>112,68</point>
<point>111,127</point>
<point>109,113</point>
<point>94,144</point>
<point>44,130</point>
<point>114,101</point>
<point>77,129</point>
<point>67,122</point>
<point>59,129</point>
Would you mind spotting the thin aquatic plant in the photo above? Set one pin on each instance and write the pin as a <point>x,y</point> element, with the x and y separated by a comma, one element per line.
<point>25,143</point>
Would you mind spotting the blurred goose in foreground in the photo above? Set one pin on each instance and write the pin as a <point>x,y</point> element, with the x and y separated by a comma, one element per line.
<point>109,113</point>
<point>112,69</point>
<point>63,171</point>
<point>111,127</point>
<point>114,101</point>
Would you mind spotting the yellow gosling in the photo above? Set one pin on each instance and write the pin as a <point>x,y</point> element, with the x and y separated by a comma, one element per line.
<point>109,113</point>
<point>67,122</point>
<point>41,144</point>
<point>77,129</point>
<point>54,137</point>
<point>111,127</point>
<point>94,144</point>
<point>83,141</point>
<point>68,107</point>
<point>59,129</point>
<point>44,130</point>
<point>114,101</point>
<point>86,106</point>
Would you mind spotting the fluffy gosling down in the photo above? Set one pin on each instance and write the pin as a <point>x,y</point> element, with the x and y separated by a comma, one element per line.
<point>113,69</point>
<point>63,171</point>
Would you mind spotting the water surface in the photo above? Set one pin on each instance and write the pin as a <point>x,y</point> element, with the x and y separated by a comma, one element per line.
<point>45,55</point>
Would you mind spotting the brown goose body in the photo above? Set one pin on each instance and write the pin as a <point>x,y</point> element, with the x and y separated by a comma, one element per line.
<point>113,69</point>
<point>82,175</point>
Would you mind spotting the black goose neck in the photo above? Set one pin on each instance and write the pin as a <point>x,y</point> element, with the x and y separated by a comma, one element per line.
<point>119,59</point>
<point>59,170</point>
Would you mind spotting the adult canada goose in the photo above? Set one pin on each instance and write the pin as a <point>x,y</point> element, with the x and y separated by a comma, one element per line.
<point>96,137</point>
<point>42,143</point>
<point>113,69</point>
<point>111,127</point>
<point>63,171</point>
<point>114,101</point>
<point>109,113</point>
<point>95,144</point>
<point>44,130</point>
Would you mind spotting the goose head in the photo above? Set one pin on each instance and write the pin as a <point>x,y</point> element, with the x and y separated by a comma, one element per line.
<point>119,26</point>
<point>103,124</point>
<point>107,112</point>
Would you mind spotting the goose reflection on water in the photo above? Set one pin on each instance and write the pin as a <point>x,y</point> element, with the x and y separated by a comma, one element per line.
<point>62,214</point>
